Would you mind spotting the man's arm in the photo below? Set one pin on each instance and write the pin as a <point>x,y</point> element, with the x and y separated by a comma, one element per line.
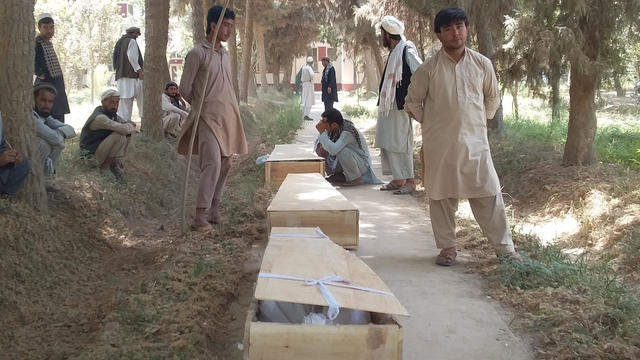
<point>491,90</point>
<point>413,60</point>
<point>189,72</point>
<point>101,122</point>
<point>169,107</point>
<point>417,93</point>
<point>51,136</point>
<point>132,55</point>
<point>333,148</point>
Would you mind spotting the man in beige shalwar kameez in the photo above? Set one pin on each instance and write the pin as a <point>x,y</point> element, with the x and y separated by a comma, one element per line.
<point>453,94</point>
<point>220,134</point>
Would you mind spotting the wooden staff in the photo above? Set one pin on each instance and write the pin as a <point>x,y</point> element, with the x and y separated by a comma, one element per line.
<point>194,128</point>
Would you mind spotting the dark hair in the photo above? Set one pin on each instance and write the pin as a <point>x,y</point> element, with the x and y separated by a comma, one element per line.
<point>169,84</point>
<point>449,16</point>
<point>392,36</point>
<point>214,14</point>
<point>44,86</point>
<point>46,20</point>
<point>333,116</point>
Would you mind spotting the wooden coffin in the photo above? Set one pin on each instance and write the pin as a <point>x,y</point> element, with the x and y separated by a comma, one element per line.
<point>291,159</point>
<point>308,200</point>
<point>317,257</point>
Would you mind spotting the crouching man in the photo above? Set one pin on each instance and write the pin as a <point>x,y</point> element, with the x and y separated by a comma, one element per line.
<point>345,151</point>
<point>14,167</point>
<point>50,132</point>
<point>175,110</point>
<point>106,135</point>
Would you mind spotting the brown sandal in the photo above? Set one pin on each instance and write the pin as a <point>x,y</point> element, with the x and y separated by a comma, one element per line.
<point>390,186</point>
<point>446,258</point>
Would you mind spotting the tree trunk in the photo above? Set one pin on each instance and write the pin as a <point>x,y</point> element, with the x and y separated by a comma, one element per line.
<point>93,85</point>
<point>276,72</point>
<point>262,55</point>
<point>155,66</point>
<point>580,148</point>
<point>16,85</point>
<point>514,94</point>
<point>286,80</point>
<point>620,90</point>
<point>247,50</point>
<point>197,21</point>
<point>233,53</point>
<point>375,50</point>
<point>555,74</point>
<point>371,72</point>
<point>485,47</point>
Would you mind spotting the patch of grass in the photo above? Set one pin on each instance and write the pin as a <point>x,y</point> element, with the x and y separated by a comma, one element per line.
<point>205,267</point>
<point>135,315</point>
<point>281,127</point>
<point>617,145</point>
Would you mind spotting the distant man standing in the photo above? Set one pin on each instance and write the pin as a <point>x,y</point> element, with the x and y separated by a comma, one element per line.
<point>128,63</point>
<point>394,131</point>
<point>50,132</point>
<point>106,135</point>
<point>307,78</point>
<point>47,67</point>
<point>329,87</point>
<point>219,134</point>
<point>453,94</point>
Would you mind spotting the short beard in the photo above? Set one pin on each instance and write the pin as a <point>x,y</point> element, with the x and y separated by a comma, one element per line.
<point>44,114</point>
<point>386,42</point>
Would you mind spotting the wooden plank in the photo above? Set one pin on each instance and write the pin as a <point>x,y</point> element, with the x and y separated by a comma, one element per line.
<point>272,341</point>
<point>276,172</point>
<point>316,258</point>
<point>342,226</point>
<point>289,152</point>
<point>300,192</point>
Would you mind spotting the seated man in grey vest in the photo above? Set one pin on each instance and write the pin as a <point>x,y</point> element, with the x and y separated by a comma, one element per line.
<point>106,135</point>
<point>14,167</point>
<point>50,132</point>
<point>345,151</point>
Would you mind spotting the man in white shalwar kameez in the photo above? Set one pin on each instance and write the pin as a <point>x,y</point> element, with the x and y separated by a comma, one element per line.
<point>394,131</point>
<point>128,63</point>
<point>453,94</point>
<point>307,78</point>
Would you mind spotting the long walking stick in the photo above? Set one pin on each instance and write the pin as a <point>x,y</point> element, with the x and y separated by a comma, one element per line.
<point>194,128</point>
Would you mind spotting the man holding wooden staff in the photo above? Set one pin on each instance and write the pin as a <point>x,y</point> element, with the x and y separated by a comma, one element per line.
<point>219,133</point>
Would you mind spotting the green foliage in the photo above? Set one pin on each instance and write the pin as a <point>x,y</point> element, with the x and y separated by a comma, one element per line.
<point>356,111</point>
<point>205,267</point>
<point>617,145</point>
<point>281,128</point>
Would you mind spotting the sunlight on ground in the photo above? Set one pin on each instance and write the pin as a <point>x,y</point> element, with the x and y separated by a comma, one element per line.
<point>318,195</point>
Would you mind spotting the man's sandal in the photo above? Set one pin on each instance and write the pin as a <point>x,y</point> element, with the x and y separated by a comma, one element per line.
<point>446,258</point>
<point>390,186</point>
<point>403,190</point>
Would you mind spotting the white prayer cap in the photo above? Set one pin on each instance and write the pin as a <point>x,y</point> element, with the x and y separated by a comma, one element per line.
<point>309,59</point>
<point>392,25</point>
<point>109,93</point>
<point>44,16</point>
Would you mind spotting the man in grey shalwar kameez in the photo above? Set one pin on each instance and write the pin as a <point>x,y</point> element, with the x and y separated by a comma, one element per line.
<point>394,130</point>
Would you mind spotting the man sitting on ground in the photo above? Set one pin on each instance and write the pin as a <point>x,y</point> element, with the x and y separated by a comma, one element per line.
<point>175,110</point>
<point>50,132</point>
<point>345,151</point>
<point>106,135</point>
<point>14,167</point>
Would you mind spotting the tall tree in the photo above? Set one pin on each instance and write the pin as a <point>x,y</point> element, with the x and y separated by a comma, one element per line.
<point>157,28</point>
<point>16,78</point>
<point>247,50</point>
<point>262,54</point>
<point>197,21</point>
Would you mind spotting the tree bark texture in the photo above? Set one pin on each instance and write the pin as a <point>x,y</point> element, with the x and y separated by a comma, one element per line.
<point>371,71</point>
<point>286,79</point>
<point>16,84</point>
<point>580,148</point>
<point>262,54</point>
<point>155,66</point>
<point>485,47</point>
<point>555,74</point>
<point>247,50</point>
<point>276,72</point>
<point>197,21</point>
<point>233,53</point>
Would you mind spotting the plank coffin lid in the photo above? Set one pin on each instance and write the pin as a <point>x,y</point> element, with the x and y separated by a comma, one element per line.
<point>309,192</point>
<point>293,152</point>
<point>316,258</point>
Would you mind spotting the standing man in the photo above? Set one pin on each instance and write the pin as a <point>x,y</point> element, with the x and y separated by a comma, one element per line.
<point>394,131</point>
<point>329,87</point>
<point>452,95</point>
<point>14,167</point>
<point>127,62</point>
<point>106,135</point>
<point>50,132</point>
<point>219,134</point>
<point>307,88</point>
<point>47,67</point>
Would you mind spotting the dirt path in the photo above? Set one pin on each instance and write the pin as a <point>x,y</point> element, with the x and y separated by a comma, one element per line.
<point>450,316</point>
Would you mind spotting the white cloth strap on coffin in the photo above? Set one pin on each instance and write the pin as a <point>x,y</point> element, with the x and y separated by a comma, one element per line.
<point>318,235</point>
<point>332,280</point>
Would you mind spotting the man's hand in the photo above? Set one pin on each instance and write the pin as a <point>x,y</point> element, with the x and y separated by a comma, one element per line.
<point>18,157</point>
<point>329,90</point>
<point>411,114</point>
<point>321,151</point>
<point>9,157</point>
<point>322,126</point>
<point>140,74</point>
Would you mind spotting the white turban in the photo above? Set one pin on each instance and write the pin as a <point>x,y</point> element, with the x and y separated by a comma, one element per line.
<point>310,59</point>
<point>44,16</point>
<point>109,93</point>
<point>392,25</point>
